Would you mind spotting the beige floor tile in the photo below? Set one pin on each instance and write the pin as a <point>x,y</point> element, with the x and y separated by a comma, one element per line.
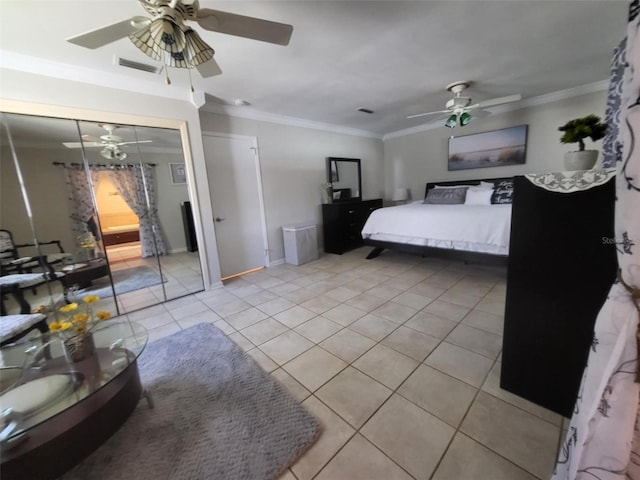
<point>263,331</point>
<point>245,318</point>
<point>384,291</point>
<point>314,367</point>
<point>207,316</point>
<point>224,327</point>
<point>295,388</point>
<point>186,311</point>
<point>492,386</point>
<point>284,288</point>
<point>299,296</point>
<point>241,341</point>
<point>260,298</point>
<point>491,305</point>
<point>466,459</point>
<point>360,460</point>
<point>366,302</point>
<point>462,298</point>
<point>321,286</point>
<point>472,285</point>
<point>342,294</point>
<point>427,290</point>
<point>460,363</point>
<point>413,300</point>
<point>444,279</point>
<point>230,308</point>
<point>265,362</point>
<point>335,433</point>
<point>386,365</point>
<point>485,321</point>
<point>525,439</point>
<point>275,306</point>
<point>294,316</point>
<point>431,324</point>
<point>395,312</point>
<point>478,341</point>
<point>447,310</point>
<point>363,284</point>
<point>399,427</point>
<point>155,321</point>
<point>415,344</point>
<point>286,346</point>
<point>344,314</point>
<point>287,475</point>
<point>374,327</point>
<point>320,304</point>
<point>347,344</point>
<point>444,396</point>
<point>318,328</point>
<point>353,396</point>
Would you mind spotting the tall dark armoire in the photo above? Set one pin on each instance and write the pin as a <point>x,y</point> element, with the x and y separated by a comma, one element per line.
<point>562,262</point>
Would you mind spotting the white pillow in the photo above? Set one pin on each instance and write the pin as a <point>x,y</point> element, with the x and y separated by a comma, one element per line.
<point>487,185</point>
<point>478,197</point>
<point>454,186</point>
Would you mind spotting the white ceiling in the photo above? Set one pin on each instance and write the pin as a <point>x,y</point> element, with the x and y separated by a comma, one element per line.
<point>394,57</point>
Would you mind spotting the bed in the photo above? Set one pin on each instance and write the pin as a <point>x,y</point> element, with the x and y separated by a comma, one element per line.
<point>470,232</point>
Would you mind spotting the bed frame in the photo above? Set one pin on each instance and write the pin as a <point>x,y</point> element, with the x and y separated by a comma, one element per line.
<point>467,257</point>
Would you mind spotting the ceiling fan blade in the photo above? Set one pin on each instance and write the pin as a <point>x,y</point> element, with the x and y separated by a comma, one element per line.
<point>104,35</point>
<point>90,138</point>
<point>209,69</point>
<point>242,26</point>
<point>479,113</point>
<point>128,143</point>
<point>497,101</point>
<point>81,144</point>
<point>429,113</point>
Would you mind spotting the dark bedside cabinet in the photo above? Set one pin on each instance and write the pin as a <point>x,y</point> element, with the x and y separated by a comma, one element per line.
<point>343,222</point>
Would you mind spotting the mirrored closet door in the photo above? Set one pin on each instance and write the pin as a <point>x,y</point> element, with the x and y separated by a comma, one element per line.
<point>101,207</point>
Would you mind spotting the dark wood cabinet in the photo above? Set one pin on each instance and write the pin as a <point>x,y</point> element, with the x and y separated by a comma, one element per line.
<point>561,267</point>
<point>343,222</point>
<point>121,237</point>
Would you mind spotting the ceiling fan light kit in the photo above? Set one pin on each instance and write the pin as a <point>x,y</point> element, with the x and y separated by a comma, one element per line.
<point>166,38</point>
<point>459,108</point>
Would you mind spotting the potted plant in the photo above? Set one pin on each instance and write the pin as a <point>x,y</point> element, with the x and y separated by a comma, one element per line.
<point>575,131</point>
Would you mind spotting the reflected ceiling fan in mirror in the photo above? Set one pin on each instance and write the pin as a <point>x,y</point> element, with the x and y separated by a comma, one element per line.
<point>109,143</point>
<point>167,38</point>
<point>460,110</point>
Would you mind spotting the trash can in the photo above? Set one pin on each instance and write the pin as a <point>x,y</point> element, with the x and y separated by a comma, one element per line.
<point>300,243</point>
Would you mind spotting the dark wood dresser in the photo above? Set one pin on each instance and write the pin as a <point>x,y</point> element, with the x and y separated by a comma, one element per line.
<point>343,223</point>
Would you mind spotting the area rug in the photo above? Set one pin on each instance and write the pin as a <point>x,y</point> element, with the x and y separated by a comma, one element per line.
<point>124,281</point>
<point>217,415</point>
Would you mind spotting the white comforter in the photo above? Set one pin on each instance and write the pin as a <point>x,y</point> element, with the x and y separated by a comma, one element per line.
<point>478,228</point>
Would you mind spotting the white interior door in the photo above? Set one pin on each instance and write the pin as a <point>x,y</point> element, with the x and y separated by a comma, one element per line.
<point>233,172</point>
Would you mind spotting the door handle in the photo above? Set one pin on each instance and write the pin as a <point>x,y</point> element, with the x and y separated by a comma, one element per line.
<point>218,219</point>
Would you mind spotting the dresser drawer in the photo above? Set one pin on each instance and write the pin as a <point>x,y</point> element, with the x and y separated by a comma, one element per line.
<point>343,223</point>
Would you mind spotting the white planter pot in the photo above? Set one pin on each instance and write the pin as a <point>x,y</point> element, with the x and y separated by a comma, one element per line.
<point>580,160</point>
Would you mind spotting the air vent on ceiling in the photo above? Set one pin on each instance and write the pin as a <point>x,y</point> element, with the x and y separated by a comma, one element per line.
<point>143,67</point>
<point>365,110</point>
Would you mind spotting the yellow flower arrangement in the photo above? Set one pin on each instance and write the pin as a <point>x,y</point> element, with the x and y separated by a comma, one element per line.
<point>79,323</point>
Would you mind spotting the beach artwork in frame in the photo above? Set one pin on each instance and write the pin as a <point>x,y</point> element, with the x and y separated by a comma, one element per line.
<point>178,174</point>
<point>497,148</point>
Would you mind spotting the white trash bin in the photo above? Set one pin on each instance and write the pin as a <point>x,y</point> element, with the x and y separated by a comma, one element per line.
<point>300,243</point>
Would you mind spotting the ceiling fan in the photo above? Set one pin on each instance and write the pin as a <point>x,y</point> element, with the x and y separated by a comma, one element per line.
<point>167,38</point>
<point>459,109</point>
<point>109,143</point>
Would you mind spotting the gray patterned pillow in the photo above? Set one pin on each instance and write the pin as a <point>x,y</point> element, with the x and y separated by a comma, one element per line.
<point>446,196</point>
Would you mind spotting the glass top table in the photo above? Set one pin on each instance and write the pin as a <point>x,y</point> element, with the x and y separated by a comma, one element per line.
<point>46,391</point>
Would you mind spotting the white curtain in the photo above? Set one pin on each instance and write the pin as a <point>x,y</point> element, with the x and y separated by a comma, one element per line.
<point>136,184</point>
<point>603,440</point>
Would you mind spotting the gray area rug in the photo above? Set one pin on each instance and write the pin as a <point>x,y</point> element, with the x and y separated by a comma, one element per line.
<point>124,281</point>
<point>217,415</point>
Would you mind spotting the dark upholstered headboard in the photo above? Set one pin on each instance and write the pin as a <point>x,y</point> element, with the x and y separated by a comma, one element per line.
<point>453,183</point>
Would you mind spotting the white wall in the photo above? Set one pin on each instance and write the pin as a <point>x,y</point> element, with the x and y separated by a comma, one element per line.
<point>120,106</point>
<point>293,164</point>
<point>413,160</point>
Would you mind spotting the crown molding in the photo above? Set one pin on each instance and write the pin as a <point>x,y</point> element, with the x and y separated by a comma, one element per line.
<point>65,71</point>
<point>259,115</point>
<point>526,103</point>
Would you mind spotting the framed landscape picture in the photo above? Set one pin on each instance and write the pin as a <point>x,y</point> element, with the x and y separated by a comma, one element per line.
<point>497,148</point>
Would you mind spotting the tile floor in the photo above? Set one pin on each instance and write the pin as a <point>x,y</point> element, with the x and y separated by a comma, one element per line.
<point>398,357</point>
